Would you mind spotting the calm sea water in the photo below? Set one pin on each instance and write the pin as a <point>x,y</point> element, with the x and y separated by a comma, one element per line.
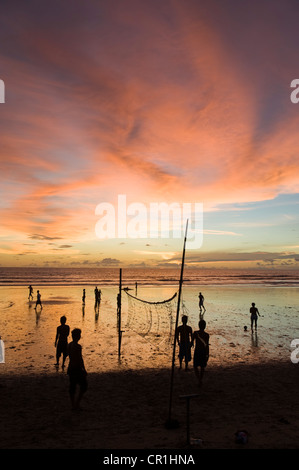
<point>18,276</point>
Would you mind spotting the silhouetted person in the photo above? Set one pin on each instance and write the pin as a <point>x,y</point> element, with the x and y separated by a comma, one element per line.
<point>184,339</point>
<point>253,315</point>
<point>76,369</point>
<point>96,296</point>
<point>83,296</point>
<point>38,300</point>
<point>202,350</point>
<point>136,285</point>
<point>30,296</point>
<point>201,301</point>
<point>99,296</point>
<point>61,340</point>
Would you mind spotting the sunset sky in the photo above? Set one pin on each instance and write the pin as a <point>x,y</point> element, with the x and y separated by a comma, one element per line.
<point>162,101</point>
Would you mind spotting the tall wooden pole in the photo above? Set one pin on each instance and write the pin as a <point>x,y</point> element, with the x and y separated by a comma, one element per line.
<point>119,312</point>
<point>171,423</point>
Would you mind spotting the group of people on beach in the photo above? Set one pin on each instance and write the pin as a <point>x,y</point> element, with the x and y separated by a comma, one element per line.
<point>187,339</point>
<point>38,297</point>
<point>97,296</point>
<point>97,293</point>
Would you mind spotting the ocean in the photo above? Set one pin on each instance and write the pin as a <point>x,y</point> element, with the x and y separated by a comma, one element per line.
<point>49,276</point>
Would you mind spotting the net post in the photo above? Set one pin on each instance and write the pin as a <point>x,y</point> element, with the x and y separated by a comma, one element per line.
<point>170,423</point>
<point>119,312</point>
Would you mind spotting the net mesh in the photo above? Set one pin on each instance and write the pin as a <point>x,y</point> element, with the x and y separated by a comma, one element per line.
<point>154,321</point>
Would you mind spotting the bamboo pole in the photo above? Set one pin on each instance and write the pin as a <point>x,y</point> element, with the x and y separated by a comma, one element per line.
<point>170,423</point>
<point>119,312</point>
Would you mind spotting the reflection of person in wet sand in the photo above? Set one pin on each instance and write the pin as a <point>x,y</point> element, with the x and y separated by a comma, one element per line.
<point>184,339</point>
<point>61,344</point>
<point>201,301</point>
<point>253,315</point>
<point>76,369</point>
<point>38,300</point>
<point>202,350</point>
<point>30,296</point>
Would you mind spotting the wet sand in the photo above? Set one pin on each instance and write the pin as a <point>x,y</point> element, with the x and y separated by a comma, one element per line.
<point>250,381</point>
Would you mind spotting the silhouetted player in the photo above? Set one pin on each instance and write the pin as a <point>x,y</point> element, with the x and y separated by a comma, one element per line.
<point>61,340</point>
<point>253,315</point>
<point>201,301</point>
<point>76,369</point>
<point>184,339</point>
<point>202,351</point>
<point>38,300</point>
<point>96,297</point>
<point>30,296</point>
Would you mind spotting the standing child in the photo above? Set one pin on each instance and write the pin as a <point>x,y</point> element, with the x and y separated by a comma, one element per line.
<point>202,350</point>
<point>76,369</point>
<point>253,315</point>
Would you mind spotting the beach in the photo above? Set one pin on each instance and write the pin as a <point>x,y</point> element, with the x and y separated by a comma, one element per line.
<point>128,410</point>
<point>250,381</point>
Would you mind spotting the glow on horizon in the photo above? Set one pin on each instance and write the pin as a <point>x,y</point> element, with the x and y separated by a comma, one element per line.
<point>180,101</point>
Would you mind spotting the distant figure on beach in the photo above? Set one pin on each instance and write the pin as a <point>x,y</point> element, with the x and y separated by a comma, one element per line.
<point>253,315</point>
<point>38,300</point>
<point>61,342</point>
<point>30,296</point>
<point>96,297</point>
<point>99,296</point>
<point>201,301</point>
<point>76,369</point>
<point>202,350</point>
<point>136,285</point>
<point>184,339</point>
<point>83,296</point>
